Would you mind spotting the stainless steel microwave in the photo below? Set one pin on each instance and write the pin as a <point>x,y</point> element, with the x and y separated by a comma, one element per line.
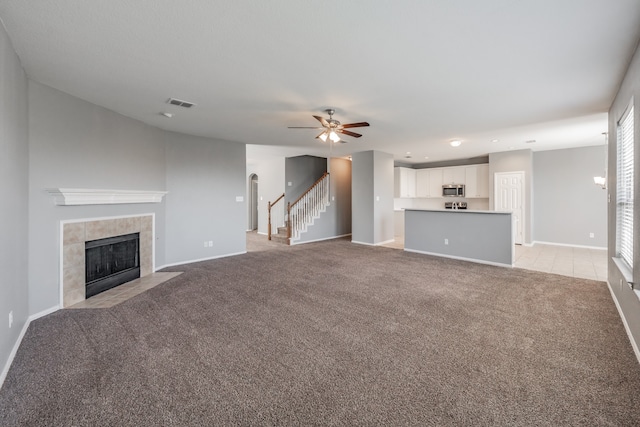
<point>453,190</point>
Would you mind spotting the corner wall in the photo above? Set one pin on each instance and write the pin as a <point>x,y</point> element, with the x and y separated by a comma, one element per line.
<point>568,205</point>
<point>372,198</point>
<point>76,144</point>
<point>627,299</point>
<point>14,181</point>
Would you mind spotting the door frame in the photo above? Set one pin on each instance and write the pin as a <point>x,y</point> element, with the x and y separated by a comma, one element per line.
<point>253,202</point>
<point>496,192</point>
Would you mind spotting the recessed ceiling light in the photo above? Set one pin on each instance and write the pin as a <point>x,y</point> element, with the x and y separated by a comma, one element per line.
<point>408,152</point>
<point>455,143</point>
<point>531,141</point>
<point>495,140</point>
<point>426,157</point>
<point>510,148</point>
<point>168,115</point>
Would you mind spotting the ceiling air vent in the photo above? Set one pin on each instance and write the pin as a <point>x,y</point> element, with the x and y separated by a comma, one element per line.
<point>180,103</point>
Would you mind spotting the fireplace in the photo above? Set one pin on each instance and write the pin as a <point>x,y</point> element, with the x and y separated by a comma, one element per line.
<point>110,262</point>
<point>75,234</point>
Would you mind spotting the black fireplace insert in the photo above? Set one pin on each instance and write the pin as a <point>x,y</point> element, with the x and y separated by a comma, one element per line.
<point>111,262</point>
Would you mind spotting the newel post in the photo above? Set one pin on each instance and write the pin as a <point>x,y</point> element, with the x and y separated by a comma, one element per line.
<point>269,221</point>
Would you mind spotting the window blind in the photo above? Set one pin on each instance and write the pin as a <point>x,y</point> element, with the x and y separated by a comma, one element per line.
<point>624,202</point>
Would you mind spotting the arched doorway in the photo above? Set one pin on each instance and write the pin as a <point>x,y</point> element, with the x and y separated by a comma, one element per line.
<point>253,202</point>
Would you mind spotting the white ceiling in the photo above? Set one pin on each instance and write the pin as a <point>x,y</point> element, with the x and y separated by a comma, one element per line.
<point>421,72</point>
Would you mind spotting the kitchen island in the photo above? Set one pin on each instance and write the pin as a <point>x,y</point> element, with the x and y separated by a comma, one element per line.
<point>485,237</point>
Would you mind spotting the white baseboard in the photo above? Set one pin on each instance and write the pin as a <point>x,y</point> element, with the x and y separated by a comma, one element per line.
<point>386,242</point>
<point>318,240</point>
<point>200,260</point>
<point>478,261</point>
<point>14,350</point>
<point>536,242</point>
<point>634,344</point>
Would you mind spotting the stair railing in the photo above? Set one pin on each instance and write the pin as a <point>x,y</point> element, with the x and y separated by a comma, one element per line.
<point>279,215</point>
<point>308,206</point>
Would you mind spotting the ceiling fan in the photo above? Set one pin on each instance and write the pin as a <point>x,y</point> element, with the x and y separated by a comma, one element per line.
<point>331,127</point>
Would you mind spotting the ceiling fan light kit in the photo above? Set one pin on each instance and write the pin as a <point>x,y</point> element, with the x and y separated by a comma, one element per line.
<point>332,129</point>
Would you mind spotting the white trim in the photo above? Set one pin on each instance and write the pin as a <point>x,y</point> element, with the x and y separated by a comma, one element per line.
<point>478,261</point>
<point>14,350</point>
<point>536,242</point>
<point>297,242</point>
<point>386,242</point>
<point>92,196</point>
<point>201,259</point>
<point>262,234</point>
<point>634,344</point>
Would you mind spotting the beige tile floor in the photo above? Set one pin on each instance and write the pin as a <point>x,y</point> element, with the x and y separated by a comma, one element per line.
<point>567,261</point>
<point>564,260</point>
<point>123,292</point>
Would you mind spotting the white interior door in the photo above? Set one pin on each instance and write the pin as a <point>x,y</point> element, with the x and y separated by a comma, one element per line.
<point>509,191</point>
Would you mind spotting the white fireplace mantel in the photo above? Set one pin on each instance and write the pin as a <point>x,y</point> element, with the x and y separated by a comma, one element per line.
<point>87,196</point>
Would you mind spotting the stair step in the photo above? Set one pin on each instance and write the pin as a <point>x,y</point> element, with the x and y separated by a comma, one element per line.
<point>280,238</point>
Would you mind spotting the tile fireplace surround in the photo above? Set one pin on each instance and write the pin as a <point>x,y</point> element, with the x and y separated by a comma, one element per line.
<point>74,236</point>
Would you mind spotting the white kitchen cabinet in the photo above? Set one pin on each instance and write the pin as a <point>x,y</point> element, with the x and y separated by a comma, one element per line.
<point>435,182</point>
<point>404,182</point>
<point>453,175</point>
<point>477,181</point>
<point>422,183</point>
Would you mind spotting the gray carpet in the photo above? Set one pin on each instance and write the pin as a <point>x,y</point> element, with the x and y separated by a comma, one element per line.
<point>333,333</point>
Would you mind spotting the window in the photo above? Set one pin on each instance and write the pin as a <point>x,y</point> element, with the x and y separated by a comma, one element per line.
<point>624,202</point>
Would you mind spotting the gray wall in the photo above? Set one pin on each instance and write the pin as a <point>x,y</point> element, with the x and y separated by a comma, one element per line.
<point>302,172</point>
<point>75,144</point>
<point>372,197</point>
<point>485,237</point>
<point>568,205</point>
<point>626,297</point>
<point>14,166</point>
<point>514,161</point>
<point>336,220</point>
<point>362,189</point>
<point>204,178</point>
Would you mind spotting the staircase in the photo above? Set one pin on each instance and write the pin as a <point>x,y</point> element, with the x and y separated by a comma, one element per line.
<point>301,214</point>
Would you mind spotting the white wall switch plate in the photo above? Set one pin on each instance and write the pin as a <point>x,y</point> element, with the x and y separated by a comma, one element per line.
<point>239,199</point>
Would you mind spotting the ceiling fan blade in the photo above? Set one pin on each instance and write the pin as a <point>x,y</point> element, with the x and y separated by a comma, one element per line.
<point>322,120</point>
<point>346,132</point>
<point>355,125</point>
<point>303,127</point>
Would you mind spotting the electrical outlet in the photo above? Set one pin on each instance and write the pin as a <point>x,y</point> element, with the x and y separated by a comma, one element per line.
<point>446,241</point>
<point>206,244</point>
<point>10,318</point>
<point>591,235</point>
<point>210,243</point>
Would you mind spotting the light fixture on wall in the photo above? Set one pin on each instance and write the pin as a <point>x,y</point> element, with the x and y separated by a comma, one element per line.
<point>602,180</point>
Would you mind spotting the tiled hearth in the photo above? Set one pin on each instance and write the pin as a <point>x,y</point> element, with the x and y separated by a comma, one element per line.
<point>74,236</point>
